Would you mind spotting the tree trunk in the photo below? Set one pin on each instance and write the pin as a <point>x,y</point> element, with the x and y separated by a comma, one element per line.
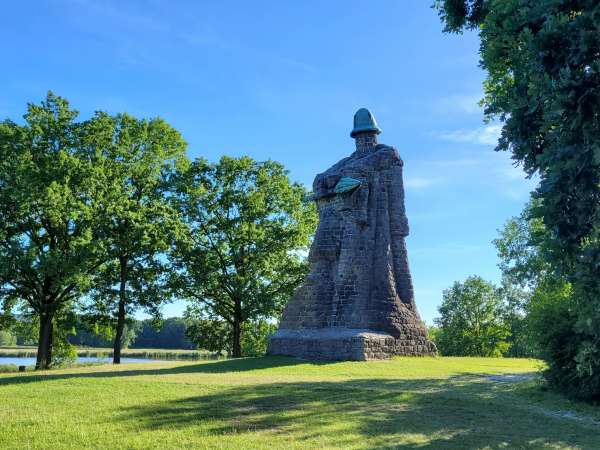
<point>237,330</point>
<point>44,351</point>
<point>121,314</point>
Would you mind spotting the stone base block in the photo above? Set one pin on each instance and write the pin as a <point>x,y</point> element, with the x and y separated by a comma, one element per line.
<point>346,344</point>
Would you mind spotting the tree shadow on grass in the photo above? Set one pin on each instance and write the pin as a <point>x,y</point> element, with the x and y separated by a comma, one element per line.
<point>209,367</point>
<point>462,412</point>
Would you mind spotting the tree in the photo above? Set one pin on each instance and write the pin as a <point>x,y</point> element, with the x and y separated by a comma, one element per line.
<point>470,322</point>
<point>50,193</point>
<point>216,335</point>
<point>169,333</point>
<point>139,157</point>
<point>248,229</point>
<point>255,337</point>
<point>543,84</point>
<point>98,331</point>
<point>515,303</point>
<point>7,338</point>
<point>523,249</point>
<point>547,327</point>
<point>26,328</point>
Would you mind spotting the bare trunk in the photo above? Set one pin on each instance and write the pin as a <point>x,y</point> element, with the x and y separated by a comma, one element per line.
<point>121,313</point>
<point>44,351</point>
<point>237,330</point>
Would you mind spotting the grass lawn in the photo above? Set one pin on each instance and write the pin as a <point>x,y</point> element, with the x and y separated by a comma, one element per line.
<point>271,403</point>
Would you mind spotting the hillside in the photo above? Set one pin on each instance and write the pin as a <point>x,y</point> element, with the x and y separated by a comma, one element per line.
<point>272,403</point>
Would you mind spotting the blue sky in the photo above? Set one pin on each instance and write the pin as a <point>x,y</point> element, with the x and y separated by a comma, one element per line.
<point>282,80</point>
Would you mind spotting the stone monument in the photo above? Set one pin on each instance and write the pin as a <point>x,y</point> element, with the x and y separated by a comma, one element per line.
<point>357,302</point>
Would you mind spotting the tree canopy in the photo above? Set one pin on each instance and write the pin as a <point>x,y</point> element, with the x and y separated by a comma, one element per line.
<point>471,322</point>
<point>248,229</point>
<point>50,192</point>
<point>140,158</point>
<point>543,84</point>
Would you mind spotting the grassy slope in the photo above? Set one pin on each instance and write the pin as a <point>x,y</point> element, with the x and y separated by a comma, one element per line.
<point>285,403</point>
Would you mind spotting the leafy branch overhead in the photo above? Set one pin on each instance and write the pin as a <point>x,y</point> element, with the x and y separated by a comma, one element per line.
<point>543,84</point>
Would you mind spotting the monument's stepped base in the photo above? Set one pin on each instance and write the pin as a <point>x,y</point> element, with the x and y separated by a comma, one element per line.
<point>346,344</point>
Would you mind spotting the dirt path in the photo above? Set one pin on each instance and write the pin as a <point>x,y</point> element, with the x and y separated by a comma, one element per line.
<point>561,414</point>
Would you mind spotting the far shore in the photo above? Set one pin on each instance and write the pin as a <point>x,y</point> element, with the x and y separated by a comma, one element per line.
<point>150,353</point>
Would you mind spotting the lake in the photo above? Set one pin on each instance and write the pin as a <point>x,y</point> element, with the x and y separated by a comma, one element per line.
<point>30,361</point>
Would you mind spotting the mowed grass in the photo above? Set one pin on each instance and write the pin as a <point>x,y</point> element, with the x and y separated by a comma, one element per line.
<point>271,403</point>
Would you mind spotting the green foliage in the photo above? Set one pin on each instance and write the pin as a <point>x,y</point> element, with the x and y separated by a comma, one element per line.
<point>94,331</point>
<point>7,338</point>
<point>248,229</point>
<point>7,318</point>
<point>550,322</point>
<point>434,334</point>
<point>82,205</point>
<point>50,194</point>
<point>8,368</point>
<point>515,302</point>
<point>522,247</point>
<point>471,322</point>
<point>27,329</point>
<point>169,333</point>
<point>216,335</point>
<point>459,14</point>
<point>63,353</point>
<point>543,83</point>
<point>255,337</point>
<point>139,158</point>
<point>550,318</point>
<point>88,212</point>
<point>91,331</point>
<point>210,334</point>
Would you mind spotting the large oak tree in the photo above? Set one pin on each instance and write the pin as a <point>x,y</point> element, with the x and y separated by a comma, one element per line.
<point>139,157</point>
<point>248,230</point>
<point>50,193</point>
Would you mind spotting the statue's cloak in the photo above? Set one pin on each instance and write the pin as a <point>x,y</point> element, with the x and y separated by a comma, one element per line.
<point>359,278</point>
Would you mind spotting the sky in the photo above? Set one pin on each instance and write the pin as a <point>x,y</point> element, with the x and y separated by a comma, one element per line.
<point>282,80</point>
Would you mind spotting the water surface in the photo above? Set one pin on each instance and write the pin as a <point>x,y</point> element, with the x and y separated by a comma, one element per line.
<point>30,361</point>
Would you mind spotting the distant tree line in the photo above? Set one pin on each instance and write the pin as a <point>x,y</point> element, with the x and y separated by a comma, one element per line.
<point>104,217</point>
<point>149,333</point>
<point>189,332</point>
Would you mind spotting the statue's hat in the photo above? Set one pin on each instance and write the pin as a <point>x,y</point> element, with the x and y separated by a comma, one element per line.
<point>364,122</point>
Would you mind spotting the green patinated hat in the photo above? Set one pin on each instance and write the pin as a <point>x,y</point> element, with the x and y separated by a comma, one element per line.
<point>364,122</point>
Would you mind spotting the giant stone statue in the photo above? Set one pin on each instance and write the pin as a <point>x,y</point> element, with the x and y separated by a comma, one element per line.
<point>357,302</point>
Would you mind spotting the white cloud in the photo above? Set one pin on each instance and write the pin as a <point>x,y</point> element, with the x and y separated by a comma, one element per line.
<point>487,135</point>
<point>416,183</point>
<point>466,103</point>
<point>473,167</point>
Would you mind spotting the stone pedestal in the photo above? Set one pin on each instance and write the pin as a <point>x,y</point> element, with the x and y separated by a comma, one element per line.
<point>345,344</point>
